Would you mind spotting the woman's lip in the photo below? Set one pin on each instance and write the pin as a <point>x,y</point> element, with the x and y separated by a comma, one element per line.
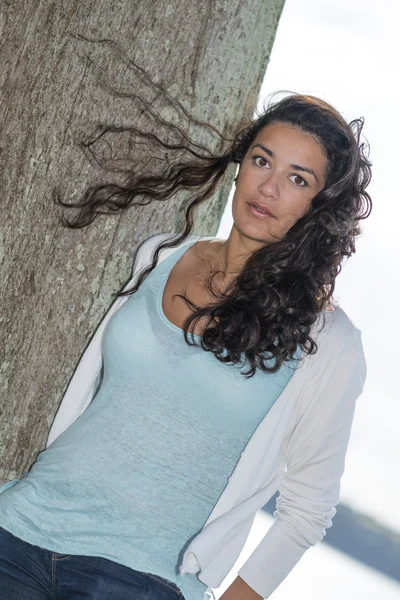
<point>256,213</point>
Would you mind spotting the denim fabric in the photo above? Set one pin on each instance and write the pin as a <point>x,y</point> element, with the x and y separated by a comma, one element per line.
<point>28,572</point>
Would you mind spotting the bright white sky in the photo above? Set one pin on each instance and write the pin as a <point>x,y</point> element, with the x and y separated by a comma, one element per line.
<point>347,52</point>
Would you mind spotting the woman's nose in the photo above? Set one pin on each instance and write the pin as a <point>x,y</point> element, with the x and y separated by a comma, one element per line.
<point>269,186</point>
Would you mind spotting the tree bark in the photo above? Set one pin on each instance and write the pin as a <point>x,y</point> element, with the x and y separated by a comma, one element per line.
<point>66,67</point>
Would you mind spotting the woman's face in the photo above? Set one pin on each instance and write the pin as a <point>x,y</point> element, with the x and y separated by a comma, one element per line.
<point>282,172</point>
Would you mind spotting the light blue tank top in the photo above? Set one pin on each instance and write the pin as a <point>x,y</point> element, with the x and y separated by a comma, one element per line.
<point>137,475</point>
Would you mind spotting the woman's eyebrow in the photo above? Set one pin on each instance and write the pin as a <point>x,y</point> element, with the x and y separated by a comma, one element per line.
<point>267,150</point>
<point>306,169</point>
<point>295,167</point>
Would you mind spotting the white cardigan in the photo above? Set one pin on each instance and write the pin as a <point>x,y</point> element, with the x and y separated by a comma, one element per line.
<point>298,448</point>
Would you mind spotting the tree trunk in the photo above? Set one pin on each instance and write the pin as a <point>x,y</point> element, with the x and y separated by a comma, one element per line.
<point>66,67</point>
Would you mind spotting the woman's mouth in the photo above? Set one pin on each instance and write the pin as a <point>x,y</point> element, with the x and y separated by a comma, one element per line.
<point>259,212</point>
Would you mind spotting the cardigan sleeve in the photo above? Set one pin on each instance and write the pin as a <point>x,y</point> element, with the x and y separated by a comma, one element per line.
<point>315,461</point>
<point>87,375</point>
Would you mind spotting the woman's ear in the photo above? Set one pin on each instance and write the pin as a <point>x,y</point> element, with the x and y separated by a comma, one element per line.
<point>237,174</point>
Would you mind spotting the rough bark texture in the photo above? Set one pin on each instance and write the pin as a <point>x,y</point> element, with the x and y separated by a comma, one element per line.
<point>56,87</point>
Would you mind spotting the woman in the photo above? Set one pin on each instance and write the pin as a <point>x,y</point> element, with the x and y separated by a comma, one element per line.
<point>149,491</point>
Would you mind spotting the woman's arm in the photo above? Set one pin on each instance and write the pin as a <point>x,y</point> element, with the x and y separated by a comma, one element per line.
<point>315,460</point>
<point>240,590</point>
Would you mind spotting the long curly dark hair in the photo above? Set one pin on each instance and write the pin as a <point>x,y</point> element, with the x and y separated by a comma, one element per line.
<point>266,315</point>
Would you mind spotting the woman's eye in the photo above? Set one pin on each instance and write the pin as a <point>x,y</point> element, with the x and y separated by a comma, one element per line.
<point>298,180</point>
<point>260,161</point>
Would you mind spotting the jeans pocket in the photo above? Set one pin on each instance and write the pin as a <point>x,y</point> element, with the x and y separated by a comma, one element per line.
<point>166,582</point>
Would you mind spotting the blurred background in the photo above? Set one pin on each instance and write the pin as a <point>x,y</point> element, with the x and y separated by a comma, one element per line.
<point>62,77</point>
<point>347,52</point>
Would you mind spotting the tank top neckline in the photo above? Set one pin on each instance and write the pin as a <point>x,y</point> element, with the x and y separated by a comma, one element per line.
<point>169,262</point>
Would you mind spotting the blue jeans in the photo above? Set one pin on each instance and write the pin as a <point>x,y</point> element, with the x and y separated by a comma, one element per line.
<point>31,573</point>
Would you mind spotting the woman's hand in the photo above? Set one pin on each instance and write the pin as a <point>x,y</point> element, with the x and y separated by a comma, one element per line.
<point>240,590</point>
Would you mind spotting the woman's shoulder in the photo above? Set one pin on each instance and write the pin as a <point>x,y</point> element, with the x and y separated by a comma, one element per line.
<point>340,353</point>
<point>145,250</point>
<point>335,332</point>
<point>339,321</point>
<point>147,247</point>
